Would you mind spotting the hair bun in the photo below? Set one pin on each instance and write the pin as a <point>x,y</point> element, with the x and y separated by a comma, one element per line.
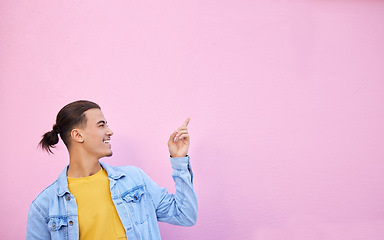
<point>56,129</point>
<point>49,140</point>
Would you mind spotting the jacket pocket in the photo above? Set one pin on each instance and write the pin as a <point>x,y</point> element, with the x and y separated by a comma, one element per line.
<point>138,204</point>
<point>57,223</point>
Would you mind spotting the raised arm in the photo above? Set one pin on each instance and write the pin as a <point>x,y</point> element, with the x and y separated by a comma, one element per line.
<point>179,208</point>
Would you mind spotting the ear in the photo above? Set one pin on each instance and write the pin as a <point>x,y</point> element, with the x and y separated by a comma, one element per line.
<point>76,135</point>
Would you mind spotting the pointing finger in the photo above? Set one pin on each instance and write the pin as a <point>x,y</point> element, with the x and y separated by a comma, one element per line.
<point>186,122</point>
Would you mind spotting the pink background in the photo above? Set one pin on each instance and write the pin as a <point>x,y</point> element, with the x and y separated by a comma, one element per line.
<point>285,98</point>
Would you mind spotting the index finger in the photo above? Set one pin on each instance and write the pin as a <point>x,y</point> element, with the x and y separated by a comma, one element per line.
<point>186,122</point>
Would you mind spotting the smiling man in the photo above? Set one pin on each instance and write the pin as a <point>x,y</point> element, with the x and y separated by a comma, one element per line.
<point>93,200</point>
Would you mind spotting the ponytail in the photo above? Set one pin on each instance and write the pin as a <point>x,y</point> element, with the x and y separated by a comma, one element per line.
<point>50,139</point>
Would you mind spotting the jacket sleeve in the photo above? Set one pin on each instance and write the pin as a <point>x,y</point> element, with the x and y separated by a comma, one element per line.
<point>36,224</point>
<point>179,208</point>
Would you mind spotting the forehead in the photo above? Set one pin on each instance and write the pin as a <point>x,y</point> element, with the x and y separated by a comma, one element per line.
<point>94,115</point>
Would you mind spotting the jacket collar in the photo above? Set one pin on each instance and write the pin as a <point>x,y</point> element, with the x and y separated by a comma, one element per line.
<point>63,183</point>
<point>113,173</point>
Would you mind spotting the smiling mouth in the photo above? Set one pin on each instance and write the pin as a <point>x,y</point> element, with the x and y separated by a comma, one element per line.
<point>106,141</point>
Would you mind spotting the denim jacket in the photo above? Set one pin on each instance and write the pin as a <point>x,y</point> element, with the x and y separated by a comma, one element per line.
<point>139,202</point>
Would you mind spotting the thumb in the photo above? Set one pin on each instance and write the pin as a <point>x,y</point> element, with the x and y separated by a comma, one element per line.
<point>173,135</point>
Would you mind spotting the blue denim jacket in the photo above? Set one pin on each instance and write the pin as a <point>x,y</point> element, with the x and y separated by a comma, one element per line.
<point>139,201</point>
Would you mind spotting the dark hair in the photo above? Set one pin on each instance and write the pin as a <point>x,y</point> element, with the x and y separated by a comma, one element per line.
<point>69,116</point>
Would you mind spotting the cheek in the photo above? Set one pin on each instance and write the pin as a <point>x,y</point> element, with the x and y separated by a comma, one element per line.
<point>96,136</point>
<point>94,139</point>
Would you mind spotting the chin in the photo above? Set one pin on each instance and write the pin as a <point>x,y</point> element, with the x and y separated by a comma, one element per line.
<point>107,155</point>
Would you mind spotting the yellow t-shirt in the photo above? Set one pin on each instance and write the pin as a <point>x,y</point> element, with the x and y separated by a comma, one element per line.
<point>97,215</point>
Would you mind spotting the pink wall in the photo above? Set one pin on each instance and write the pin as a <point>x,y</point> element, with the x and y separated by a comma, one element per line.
<point>285,97</point>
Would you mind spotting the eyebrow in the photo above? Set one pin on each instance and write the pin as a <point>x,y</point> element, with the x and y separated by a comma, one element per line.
<point>101,121</point>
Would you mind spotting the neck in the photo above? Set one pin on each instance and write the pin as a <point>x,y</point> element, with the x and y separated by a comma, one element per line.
<point>81,165</point>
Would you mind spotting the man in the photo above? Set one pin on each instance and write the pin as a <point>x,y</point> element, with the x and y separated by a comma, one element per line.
<point>93,200</point>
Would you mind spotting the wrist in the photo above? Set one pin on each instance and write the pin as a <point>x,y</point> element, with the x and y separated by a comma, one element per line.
<point>178,156</point>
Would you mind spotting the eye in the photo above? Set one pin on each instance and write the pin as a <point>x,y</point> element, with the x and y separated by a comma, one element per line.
<point>101,125</point>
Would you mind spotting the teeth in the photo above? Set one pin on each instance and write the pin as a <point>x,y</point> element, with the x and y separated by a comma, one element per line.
<point>106,141</point>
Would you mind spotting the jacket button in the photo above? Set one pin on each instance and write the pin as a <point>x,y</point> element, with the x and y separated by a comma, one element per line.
<point>70,223</point>
<point>68,198</point>
<point>135,197</point>
<point>54,226</point>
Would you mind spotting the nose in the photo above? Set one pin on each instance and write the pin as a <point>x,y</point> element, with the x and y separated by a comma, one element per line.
<point>109,132</point>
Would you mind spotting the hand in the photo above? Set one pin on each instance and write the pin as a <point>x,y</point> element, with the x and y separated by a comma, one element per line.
<point>178,142</point>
